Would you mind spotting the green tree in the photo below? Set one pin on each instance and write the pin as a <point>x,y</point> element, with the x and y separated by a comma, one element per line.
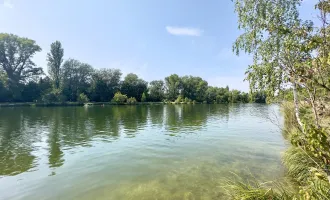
<point>31,92</point>
<point>16,57</point>
<point>173,86</point>
<point>156,90</point>
<point>133,86</point>
<point>258,97</point>
<point>194,88</point>
<point>278,41</point>
<point>289,51</point>
<point>211,94</point>
<point>4,93</point>
<point>244,97</point>
<point>234,96</point>
<point>76,78</point>
<point>55,59</point>
<point>45,85</point>
<point>53,96</point>
<point>82,98</point>
<point>105,82</point>
<point>143,97</point>
<point>218,95</point>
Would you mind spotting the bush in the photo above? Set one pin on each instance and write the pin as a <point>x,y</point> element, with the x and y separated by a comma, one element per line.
<point>53,97</point>
<point>179,99</point>
<point>131,100</point>
<point>119,98</point>
<point>82,98</point>
<point>187,100</point>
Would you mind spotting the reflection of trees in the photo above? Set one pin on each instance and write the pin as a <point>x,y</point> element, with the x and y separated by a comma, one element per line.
<point>219,112</point>
<point>156,115</point>
<point>261,111</point>
<point>185,117</point>
<point>15,142</point>
<point>68,127</point>
<point>55,157</point>
<point>74,126</point>
<point>133,118</point>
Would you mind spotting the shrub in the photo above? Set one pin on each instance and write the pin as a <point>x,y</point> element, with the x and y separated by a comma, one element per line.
<point>53,96</point>
<point>82,98</point>
<point>131,100</point>
<point>187,100</point>
<point>119,98</point>
<point>179,99</point>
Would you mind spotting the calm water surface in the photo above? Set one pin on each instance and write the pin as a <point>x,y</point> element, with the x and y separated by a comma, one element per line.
<point>135,152</point>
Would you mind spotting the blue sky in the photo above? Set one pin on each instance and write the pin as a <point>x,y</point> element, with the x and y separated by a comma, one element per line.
<point>152,38</point>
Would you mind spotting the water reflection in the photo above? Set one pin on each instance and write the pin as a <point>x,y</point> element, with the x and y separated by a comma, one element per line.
<point>16,142</point>
<point>25,133</point>
<point>55,157</point>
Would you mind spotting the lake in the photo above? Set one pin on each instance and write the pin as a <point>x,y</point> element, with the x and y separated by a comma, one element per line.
<point>136,152</point>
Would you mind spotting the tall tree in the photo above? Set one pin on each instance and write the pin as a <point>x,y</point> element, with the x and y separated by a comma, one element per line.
<point>133,86</point>
<point>4,93</point>
<point>157,90</point>
<point>76,78</point>
<point>105,83</point>
<point>173,86</point>
<point>194,88</point>
<point>55,59</point>
<point>16,57</point>
<point>278,41</point>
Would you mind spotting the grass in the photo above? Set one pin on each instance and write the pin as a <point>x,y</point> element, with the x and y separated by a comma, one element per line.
<point>238,188</point>
<point>298,164</point>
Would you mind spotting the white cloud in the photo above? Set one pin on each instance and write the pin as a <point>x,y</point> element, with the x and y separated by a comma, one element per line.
<point>184,31</point>
<point>8,3</point>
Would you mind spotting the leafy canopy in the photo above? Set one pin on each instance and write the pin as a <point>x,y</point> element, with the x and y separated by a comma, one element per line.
<point>16,57</point>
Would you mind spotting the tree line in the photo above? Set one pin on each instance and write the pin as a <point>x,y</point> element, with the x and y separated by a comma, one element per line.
<point>72,80</point>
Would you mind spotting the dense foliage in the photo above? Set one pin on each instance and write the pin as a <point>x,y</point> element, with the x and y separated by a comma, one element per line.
<point>291,62</point>
<point>75,81</point>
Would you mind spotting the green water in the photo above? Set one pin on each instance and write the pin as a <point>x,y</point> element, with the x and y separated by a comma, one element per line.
<point>135,152</point>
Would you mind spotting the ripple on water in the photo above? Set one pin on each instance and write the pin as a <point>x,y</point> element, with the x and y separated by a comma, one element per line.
<point>135,152</point>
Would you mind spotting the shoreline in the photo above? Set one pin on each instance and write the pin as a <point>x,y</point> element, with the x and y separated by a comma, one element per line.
<point>71,104</point>
<point>78,104</point>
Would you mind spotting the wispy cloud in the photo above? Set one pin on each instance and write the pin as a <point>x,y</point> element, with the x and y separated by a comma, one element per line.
<point>8,3</point>
<point>184,31</point>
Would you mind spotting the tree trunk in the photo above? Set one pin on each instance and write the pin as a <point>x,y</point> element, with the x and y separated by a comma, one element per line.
<point>312,100</point>
<point>296,105</point>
